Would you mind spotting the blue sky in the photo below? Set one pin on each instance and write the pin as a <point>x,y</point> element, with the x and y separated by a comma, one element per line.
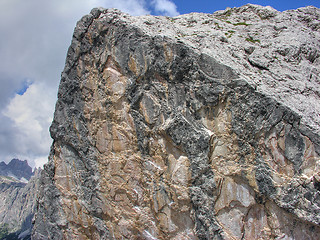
<point>212,6</point>
<point>35,36</point>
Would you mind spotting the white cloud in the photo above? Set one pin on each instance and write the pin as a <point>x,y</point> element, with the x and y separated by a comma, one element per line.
<point>38,162</point>
<point>31,115</point>
<point>165,7</point>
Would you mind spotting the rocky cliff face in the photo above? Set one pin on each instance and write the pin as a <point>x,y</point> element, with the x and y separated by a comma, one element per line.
<point>203,126</point>
<point>18,203</point>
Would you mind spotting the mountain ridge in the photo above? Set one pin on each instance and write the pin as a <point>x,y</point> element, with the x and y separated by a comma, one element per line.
<point>18,193</point>
<point>17,169</point>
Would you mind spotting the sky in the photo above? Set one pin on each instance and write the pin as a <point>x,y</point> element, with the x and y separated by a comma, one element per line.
<point>35,35</point>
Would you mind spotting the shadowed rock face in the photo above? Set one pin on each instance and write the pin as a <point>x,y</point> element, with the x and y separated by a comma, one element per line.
<point>183,128</point>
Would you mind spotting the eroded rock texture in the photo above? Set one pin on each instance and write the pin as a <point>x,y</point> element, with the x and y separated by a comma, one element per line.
<point>18,203</point>
<point>196,127</point>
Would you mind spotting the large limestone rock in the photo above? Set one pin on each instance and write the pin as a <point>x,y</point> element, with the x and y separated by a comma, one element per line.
<point>203,126</point>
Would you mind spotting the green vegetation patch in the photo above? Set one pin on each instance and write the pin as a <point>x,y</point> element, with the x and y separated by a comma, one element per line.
<point>4,230</point>
<point>241,24</point>
<point>217,25</point>
<point>229,33</point>
<point>252,40</point>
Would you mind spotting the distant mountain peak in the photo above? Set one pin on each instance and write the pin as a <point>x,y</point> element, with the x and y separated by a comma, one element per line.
<point>16,168</point>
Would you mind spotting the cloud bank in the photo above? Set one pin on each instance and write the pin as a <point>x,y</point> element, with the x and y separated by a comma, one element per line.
<point>165,7</point>
<point>35,35</point>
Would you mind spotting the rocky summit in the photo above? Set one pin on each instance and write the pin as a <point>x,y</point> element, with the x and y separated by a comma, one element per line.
<point>202,126</point>
<point>17,169</point>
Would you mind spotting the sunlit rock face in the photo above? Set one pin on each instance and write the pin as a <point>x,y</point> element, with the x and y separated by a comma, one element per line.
<point>175,128</point>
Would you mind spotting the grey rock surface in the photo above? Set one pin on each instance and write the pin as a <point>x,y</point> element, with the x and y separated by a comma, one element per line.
<point>202,126</point>
<point>17,206</point>
<point>17,169</point>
